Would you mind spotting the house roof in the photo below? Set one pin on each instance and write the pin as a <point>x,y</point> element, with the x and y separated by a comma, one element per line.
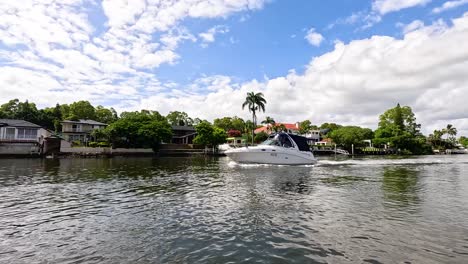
<point>17,123</point>
<point>291,127</point>
<point>84,121</point>
<point>184,128</point>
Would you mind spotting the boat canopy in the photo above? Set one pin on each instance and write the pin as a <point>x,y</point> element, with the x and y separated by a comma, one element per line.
<point>301,142</point>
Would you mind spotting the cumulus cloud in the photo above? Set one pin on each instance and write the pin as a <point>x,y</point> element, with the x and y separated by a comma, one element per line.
<point>354,83</point>
<point>387,6</point>
<point>449,5</point>
<point>53,42</point>
<point>313,37</point>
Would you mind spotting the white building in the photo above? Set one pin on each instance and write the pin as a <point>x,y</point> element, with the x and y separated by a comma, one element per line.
<point>19,137</point>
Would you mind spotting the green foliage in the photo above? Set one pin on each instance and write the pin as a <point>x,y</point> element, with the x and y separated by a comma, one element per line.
<point>81,110</point>
<point>350,135</point>
<point>177,118</point>
<point>464,141</point>
<point>139,129</point>
<point>279,128</point>
<point>104,115</point>
<point>208,134</point>
<point>306,126</point>
<point>398,128</point>
<point>230,123</point>
<point>93,144</point>
<point>204,133</point>
<point>268,121</point>
<point>103,144</point>
<point>219,136</point>
<point>329,126</point>
<point>254,102</point>
<point>224,123</point>
<point>260,137</point>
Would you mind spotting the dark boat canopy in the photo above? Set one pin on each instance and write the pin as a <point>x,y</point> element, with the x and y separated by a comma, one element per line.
<point>284,140</point>
<point>301,142</point>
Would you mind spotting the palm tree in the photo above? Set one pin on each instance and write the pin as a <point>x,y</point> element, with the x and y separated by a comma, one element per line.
<point>269,122</point>
<point>255,102</point>
<point>451,131</point>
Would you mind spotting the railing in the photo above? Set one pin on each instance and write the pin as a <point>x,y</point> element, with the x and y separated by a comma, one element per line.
<point>75,130</point>
<point>17,140</point>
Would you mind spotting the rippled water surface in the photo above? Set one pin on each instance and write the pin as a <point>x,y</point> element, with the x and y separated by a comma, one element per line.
<point>210,210</point>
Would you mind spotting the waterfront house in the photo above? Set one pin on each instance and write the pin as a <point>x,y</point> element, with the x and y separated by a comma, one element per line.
<point>19,137</point>
<point>183,134</point>
<point>313,136</point>
<point>289,128</point>
<point>80,130</point>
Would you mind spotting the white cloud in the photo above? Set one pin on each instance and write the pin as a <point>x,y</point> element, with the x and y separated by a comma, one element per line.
<point>417,24</point>
<point>313,37</point>
<point>354,83</point>
<point>386,6</point>
<point>53,42</point>
<point>210,34</point>
<point>449,5</point>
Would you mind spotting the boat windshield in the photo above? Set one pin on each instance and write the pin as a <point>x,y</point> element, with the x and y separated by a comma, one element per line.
<point>281,140</point>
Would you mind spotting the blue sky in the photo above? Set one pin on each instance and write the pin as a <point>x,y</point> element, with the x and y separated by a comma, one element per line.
<point>312,59</point>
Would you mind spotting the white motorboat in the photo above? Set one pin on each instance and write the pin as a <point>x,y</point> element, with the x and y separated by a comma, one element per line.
<point>281,149</point>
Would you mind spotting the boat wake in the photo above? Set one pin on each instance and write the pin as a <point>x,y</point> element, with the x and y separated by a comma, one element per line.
<point>380,162</point>
<point>233,164</point>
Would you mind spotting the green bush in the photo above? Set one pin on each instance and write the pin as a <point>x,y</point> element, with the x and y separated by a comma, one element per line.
<point>93,144</point>
<point>260,137</point>
<point>103,144</point>
<point>76,143</point>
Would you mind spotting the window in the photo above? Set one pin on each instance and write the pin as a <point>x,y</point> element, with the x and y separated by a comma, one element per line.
<point>10,133</point>
<point>27,133</point>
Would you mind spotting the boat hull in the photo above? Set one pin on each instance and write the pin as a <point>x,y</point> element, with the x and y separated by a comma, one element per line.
<point>265,155</point>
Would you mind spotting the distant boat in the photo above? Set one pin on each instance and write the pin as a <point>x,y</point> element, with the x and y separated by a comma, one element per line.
<point>459,150</point>
<point>281,149</point>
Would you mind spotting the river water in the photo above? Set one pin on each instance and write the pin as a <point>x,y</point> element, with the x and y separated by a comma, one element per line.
<point>211,210</point>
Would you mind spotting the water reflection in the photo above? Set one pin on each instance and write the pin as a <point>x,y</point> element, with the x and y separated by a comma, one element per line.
<point>400,186</point>
<point>203,210</point>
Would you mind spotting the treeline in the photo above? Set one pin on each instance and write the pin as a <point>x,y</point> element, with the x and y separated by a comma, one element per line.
<point>397,127</point>
<point>50,117</point>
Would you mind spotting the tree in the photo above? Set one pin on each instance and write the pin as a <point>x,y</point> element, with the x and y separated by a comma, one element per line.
<point>208,134</point>
<point>255,102</point>
<point>464,141</point>
<point>104,115</point>
<point>305,127</point>
<point>177,118</point>
<point>260,137</point>
<point>224,123</point>
<point>204,133</point>
<point>219,136</point>
<point>398,127</point>
<point>234,133</point>
<point>81,110</point>
<point>328,127</point>
<point>139,129</point>
<point>279,128</point>
<point>351,135</point>
<point>237,123</point>
<point>451,132</point>
<point>268,121</point>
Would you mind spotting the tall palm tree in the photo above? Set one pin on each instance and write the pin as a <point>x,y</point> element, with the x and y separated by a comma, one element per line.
<point>451,131</point>
<point>255,102</point>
